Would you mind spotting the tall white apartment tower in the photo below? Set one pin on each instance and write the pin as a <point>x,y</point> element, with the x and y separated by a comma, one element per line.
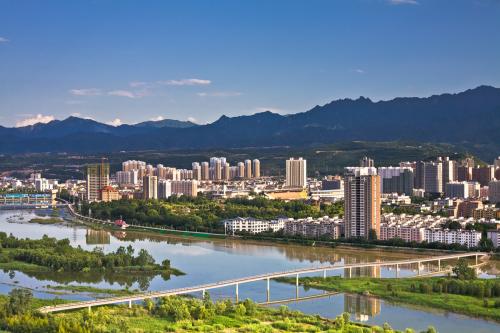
<point>296,173</point>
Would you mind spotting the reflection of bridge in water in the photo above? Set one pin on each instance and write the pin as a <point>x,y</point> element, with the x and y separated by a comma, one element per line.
<point>349,268</point>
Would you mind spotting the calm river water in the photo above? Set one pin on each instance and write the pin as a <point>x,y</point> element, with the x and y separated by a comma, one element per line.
<point>209,260</point>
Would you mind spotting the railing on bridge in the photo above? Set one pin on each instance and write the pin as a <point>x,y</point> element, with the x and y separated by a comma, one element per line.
<point>267,277</point>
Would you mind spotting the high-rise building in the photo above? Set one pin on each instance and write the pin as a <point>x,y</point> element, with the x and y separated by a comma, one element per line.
<point>366,162</point>
<point>248,169</point>
<point>217,169</point>
<point>97,176</point>
<point>464,173</point>
<point>241,170</point>
<point>256,168</point>
<point>226,171</point>
<point>396,180</point>
<point>150,187</point>
<point>457,190</point>
<point>494,191</point>
<point>296,173</point>
<point>496,162</point>
<point>433,177</point>
<point>205,171</point>
<point>130,177</point>
<point>449,170</point>
<point>483,174</point>
<point>361,202</point>
<point>164,189</point>
<point>185,187</point>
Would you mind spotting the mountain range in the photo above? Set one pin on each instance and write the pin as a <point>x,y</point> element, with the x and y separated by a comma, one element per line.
<point>470,118</point>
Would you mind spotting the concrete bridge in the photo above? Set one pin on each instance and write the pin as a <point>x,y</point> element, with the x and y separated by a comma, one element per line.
<point>477,256</point>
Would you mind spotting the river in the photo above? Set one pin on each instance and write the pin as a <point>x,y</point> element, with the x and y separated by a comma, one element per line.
<point>211,260</point>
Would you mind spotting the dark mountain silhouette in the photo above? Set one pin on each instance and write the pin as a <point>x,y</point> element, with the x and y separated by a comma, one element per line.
<point>469,118</point>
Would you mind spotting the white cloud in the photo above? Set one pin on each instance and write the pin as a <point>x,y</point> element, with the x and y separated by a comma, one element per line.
<point>219,94</point>
<point>115,122</point>
<point>192,119</point>
<point>128,93</point>
<point>186,82</point>
<point>403,2</point>
<point>4,40</point>
<point>359,71</point>
<point>158,118</point>
<point>86,92</point>
<point>39,118</point>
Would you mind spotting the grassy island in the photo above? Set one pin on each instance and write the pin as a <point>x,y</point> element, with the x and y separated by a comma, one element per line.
<point>46,220</point>
<point>52,255</point>
<point>173,314</point>
<point>477,298</point>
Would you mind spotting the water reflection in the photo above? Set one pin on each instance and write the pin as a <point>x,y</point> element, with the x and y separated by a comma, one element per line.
<point>97,237</point>
<point>362,307</point>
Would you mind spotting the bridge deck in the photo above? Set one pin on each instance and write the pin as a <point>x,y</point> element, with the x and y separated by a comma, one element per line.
<point>237,281</point>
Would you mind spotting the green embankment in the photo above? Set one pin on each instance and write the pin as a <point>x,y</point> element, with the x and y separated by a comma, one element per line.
<point>418,291</point>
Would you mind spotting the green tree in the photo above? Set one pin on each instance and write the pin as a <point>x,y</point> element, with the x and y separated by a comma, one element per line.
<point>19,301</point>
<point>462,270</point>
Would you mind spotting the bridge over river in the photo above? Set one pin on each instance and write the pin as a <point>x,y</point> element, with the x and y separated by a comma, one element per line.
<point>479,257</point>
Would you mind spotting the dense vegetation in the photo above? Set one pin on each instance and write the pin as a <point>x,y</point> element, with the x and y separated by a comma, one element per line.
<point>59,255</point>
<point>174,314</point>
<point>202,213</point>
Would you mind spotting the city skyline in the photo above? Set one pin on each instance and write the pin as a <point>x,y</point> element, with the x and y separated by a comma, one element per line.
<point>171,60</point>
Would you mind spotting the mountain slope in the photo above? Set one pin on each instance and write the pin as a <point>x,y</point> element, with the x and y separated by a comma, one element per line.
<point>470,118</point>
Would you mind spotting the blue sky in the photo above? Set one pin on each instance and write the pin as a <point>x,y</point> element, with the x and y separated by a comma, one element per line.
<point>130,61</point>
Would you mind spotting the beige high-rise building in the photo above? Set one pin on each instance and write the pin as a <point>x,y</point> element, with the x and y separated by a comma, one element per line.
<point>366,162</point>
<point>196,171</point>
<point>185,187</point>
<point>218,170</point>
<point>256,168</point>
<point>205,171</point>
<point>361,202</point>
<point>296,173</point>
<point>97,176</point>
<point>226,171</point>
<point>150,187</point>
<point>248,169</point>
<point>241,170</point>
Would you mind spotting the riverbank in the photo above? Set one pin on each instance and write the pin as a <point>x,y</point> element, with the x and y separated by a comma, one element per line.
<point>180,314</point>
<point>409,291</point>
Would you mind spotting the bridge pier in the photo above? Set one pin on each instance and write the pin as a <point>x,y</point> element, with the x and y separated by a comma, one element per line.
<point>297,286</point>
<point>89,309</point>
<point>418,269</point>
<point>439,265</point>
<point>324,274</point>
<point>476,259</point>
<point>130,304</point>
<point>237,299</point>
<point>397,271</point>
<point>268,291</point>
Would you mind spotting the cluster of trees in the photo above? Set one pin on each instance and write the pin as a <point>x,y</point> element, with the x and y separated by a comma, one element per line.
<point>202,213</point>
<point>59,255</point>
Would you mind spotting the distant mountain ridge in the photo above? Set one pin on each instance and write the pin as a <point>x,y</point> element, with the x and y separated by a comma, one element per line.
<point>471,117</point>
